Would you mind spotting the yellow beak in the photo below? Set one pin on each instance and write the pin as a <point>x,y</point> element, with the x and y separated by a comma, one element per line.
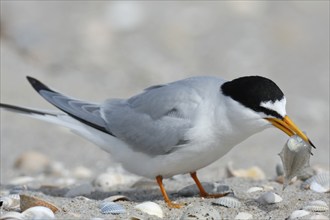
<point>287,126</point>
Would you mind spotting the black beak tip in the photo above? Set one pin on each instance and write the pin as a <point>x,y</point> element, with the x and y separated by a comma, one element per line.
<point>311,144</point>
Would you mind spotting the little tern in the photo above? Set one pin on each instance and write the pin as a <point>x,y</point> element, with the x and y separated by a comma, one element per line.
<point>174,128</point>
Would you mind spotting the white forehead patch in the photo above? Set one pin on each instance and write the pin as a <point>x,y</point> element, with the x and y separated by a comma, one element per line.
<point>278,106</point>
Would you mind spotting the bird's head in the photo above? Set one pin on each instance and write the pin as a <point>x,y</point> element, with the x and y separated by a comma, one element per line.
<point>265,98</point>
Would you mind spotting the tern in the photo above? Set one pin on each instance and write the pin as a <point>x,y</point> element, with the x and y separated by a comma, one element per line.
<point>174,128</point>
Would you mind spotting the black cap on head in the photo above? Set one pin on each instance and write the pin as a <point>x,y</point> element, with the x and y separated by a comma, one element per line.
<point>251,91</point>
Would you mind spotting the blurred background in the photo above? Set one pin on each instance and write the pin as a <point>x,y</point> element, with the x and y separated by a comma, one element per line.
<point>106,49</point>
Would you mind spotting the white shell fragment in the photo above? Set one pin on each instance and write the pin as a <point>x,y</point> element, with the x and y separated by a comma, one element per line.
<point>319,183</point>
<point>319,217</point>
<point>254,172</point>
<point>227,201</point>
<point>244,216</point>
<point>150,208</point>
<point>11,201</point>
<point>254,189</point>
<point>295,157</point>
<point>111,208</point>
<point>316,206</point>
<point>298,214</point>
<point>12,216</point>
<point>200,212</point>
<point>269,198</point>
<point>116,198</point>
<point>38,213</point>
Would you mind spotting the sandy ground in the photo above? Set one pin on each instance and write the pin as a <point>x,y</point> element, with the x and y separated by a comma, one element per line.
<point>95,51</point>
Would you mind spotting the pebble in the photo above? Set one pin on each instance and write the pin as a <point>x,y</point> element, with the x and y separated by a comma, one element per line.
<point>192,190</point>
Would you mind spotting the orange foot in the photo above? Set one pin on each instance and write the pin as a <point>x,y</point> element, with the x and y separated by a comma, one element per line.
<point>207,195</point>
<point>202,191</point>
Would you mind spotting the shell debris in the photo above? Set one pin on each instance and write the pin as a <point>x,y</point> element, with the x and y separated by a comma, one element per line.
<point>254,172</point>
<point>107,207</point>
<point>269,198</point>
<point>10,202</point>
<point>227,201</point>
<point>150,208</point>
<point>298,214</point>
<point>316,206</point>
<point>254,189</point>
<point>12,216</point>
<point>38,212</point>
<point>295,157</point>
<point>318,183</point>
<point>31,201</point>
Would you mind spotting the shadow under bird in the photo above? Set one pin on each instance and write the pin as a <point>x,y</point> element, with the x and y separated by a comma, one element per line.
<point>175,128</point>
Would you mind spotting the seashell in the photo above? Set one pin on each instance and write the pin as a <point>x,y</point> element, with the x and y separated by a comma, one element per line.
<point>150,208</point>
<point>298,214</point>
<point>254,189</point>
<point>83,189</point>
<point>11,201</point>
<point>38,212</point>
<point>244,216</point>
<point>106,181</point>
<point>319,217</point>
<point>254,173</point>
<point>319,182</point>
<point>111,208</point>
<point>32,162</point>
<point>295,157</point>
<point>12,216</point>
<point>192,190</point>
<point>116,198</point>
<point>316,206</point>
<point>81,172</point>
<point>227,201</point>
<point>31,201</point>
<point>269,198</point>
<point>200,212</point>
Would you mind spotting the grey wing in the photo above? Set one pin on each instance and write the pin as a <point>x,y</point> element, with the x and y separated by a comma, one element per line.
<point>87,113</point>
<point>154,122</point>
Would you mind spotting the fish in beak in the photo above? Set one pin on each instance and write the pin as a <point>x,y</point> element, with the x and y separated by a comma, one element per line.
<point>288,127</point>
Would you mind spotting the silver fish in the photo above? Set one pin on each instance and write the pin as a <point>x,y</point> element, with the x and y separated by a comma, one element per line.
<point>295,157</point>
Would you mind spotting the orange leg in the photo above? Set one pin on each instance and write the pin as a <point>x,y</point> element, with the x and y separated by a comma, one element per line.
<point>169,203</point>
<point>202,191</point>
